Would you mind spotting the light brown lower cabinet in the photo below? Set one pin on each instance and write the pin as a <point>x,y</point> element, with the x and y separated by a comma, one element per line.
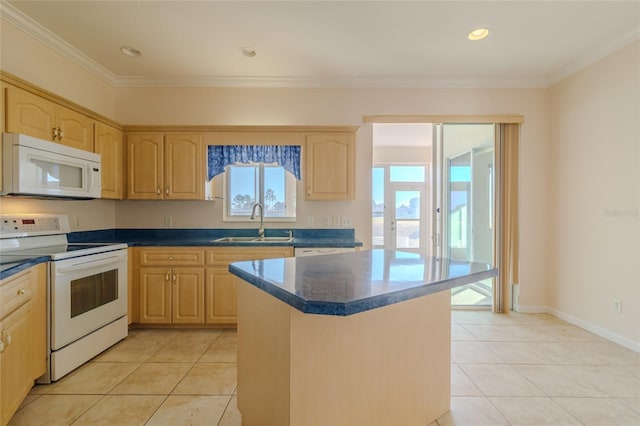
<point>190,285</point>
<point>22,336</point>
<point>172,295</point>
<point>220,285</point>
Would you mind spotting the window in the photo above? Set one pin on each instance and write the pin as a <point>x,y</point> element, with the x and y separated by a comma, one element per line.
<point>268,184</point>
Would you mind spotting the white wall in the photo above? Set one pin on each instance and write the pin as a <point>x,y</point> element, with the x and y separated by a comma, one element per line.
<point>27,58</point>
<point>594,204</point>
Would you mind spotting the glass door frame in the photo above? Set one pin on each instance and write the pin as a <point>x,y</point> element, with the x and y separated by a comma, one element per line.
<point>441,201</point>
<point>390,221</point>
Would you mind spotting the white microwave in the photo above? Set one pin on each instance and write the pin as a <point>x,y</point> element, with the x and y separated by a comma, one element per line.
<point>39,168</point>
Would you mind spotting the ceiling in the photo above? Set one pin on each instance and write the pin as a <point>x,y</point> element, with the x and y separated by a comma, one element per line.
<point>330,44</point>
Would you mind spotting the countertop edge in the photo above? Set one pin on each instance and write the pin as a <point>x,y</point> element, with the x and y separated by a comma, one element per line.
<point>350,308</point>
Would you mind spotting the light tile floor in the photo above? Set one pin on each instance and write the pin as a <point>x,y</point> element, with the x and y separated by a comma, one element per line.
<point>516,369</point>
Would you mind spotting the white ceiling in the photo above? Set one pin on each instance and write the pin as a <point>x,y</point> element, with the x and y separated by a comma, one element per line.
<point>331,44</point>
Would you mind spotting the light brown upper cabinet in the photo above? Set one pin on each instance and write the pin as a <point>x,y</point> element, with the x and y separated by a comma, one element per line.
<point>32,115</point>
<point>108,143</point>
<point>165,167</point>
<point>330,166</point>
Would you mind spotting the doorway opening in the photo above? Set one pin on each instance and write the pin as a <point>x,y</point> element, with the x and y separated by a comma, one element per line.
<point>433,193</point>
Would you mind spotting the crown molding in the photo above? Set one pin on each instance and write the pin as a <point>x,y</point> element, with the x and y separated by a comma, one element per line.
<point>13,15</point>
<point>593,57</point>
<point>330,83</point>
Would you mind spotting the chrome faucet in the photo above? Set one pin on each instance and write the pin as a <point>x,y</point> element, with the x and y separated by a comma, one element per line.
<point>253,216</point>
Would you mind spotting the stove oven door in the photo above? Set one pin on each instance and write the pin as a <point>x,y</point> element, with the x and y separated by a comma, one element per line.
<point>87,292</point>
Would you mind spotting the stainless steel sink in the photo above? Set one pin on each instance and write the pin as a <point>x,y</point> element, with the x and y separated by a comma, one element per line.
<point>256,240</point>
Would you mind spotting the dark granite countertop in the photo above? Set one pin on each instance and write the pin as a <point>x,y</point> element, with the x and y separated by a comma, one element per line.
<point>169,237</point>
<point>11,265</point>
<point>349,283</point>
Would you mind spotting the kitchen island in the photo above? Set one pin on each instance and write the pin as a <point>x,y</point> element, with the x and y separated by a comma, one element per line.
<point>357,338</point>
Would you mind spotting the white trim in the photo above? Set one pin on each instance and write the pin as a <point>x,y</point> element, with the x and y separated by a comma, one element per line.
<point>592,57</point>
<point>595,329</point>
<point>13,15</point>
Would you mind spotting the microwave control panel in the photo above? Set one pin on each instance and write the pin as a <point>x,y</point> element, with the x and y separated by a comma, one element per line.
<point>23,225</point>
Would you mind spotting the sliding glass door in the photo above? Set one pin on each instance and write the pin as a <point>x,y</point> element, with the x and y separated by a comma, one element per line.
<point>466,217</point>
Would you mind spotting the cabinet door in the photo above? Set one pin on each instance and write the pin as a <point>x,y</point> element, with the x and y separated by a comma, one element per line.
<point>155,295</point>
<point>23,318</point>
<point>330,167</point>
<point>184,165</point>
<point>75,129</point>
<point>29,114</point>
<point>108,143</point>
<point>221,294</point>
<point>188,296</point>
<point>15,371</point>
<point>144,166</point>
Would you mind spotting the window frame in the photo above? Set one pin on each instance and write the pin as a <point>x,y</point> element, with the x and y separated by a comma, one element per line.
<point>290,187</point>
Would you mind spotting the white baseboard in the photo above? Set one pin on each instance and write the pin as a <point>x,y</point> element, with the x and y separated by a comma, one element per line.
<point>595,329</point>
<point>532,309</point>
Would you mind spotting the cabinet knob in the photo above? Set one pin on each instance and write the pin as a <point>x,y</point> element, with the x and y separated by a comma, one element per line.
<point>21,291</point>
<point>60,134</point>
<point>175,278</point>
<point>166,277</point>
<point>158,191</point>
<point>166,191</point>
<point>5,338</point>
<point>54,136</point>
<point>170,257</point>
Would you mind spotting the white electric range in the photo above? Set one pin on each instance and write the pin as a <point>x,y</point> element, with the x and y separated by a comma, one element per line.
<point>86,288</point>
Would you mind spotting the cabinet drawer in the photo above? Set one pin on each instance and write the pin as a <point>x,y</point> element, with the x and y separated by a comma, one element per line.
<point>225,256</point>
<point>15,292</point>
<point>171,257</point>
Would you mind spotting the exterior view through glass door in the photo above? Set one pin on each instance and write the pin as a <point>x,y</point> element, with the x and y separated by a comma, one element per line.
<point>404,225</point>
<point>467,218</point>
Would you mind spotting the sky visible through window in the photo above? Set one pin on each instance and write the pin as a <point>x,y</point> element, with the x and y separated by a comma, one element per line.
<point>396,174</point>
<point>244,187</point>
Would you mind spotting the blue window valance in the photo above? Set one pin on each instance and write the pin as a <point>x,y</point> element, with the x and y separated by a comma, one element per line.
<point>220,156</point>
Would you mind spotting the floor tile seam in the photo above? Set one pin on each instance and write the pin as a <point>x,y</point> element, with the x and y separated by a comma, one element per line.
<point>156,410</point>
<point>545,397</point>
<point>482,397</point>
<point>201,394</point>
<point>182,378</point>
<point>225,410</point>
<point>23,405</point>
<point>526,379</point>
<point>593,384</point>
<point>88,408</point>
<point>548,364</point>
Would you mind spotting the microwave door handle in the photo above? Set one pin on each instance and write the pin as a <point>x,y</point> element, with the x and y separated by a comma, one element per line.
<point>90,264</point>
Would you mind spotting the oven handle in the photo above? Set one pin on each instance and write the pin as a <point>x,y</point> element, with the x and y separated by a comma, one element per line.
<point>91,264</point>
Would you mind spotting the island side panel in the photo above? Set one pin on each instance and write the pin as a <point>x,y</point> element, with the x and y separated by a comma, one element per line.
<point>387,366</point>
<point>263,357</point>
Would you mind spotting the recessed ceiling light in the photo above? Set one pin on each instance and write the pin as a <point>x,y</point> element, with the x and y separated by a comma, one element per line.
<point>130,51</point>
<point>478,34</point>
<point>248,52</point>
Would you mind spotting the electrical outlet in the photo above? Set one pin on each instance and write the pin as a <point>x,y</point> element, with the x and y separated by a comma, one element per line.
<point>336,221</point>
<point>617,305</point>
<point>347,221</point>
<point>326,221</point>
<point>309,221</point>
<point>168,221</point>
